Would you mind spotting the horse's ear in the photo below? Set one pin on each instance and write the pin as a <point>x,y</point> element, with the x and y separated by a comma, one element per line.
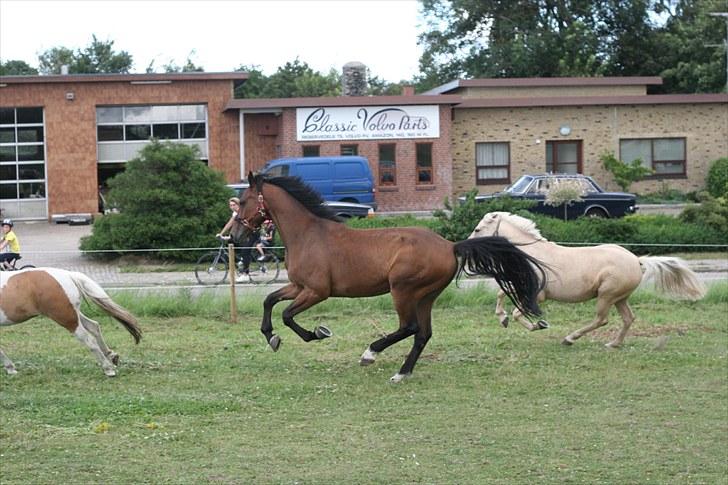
<point>251,178</point>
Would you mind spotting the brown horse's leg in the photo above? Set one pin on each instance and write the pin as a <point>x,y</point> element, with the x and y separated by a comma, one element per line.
<point>423,335</point>
<point>288,292</point>
<point>407,310</point>
<point>7,363</point>
<point>603,305</point>
<point>93,327</point>
<point>627,318</point>
<point>305,300</point>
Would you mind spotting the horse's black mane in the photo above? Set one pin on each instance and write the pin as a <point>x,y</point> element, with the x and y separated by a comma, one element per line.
<point>300,191</point>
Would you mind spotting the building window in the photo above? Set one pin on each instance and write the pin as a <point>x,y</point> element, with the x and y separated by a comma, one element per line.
<point>424,162</point>
<point>492,163</point>
<point>563,157</point>
<point>22,163</point>
<point>350,149</point>
<point>664,156</point>
<point>122,131</point>
<point>387,164</point>
<point>311,150</point>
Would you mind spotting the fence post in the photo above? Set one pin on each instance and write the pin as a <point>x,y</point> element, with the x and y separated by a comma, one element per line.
<point>231,271</point>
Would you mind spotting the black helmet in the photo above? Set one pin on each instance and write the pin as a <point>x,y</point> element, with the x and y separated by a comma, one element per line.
<point>7,222</point>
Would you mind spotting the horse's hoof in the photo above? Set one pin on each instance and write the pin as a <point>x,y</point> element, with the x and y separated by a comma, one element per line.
<point>275,343</point>
<point>397,378</point>
<point>11,371</point>
<point>110,372</point>
<point>114,358</point>
<point>612,345</point>
<point>504,322</point>
<point>322,332</point>
<point>541,325</point>
<point>566,341</point>
<point>368,357</point>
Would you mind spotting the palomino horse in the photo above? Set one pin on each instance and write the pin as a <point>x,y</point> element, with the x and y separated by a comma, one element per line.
<point>606,272</point>
<point>325,258</point>
<point>57,294</point>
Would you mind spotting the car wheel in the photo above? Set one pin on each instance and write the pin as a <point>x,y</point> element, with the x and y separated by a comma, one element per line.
<point>596,212</point>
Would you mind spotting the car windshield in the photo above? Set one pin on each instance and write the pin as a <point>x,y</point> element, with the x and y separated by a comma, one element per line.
<point>520,185</point>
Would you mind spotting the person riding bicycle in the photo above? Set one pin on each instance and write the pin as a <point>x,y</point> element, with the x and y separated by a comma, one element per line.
<point>266,238</point>
<point>237,232</point>
<point>9,245</point>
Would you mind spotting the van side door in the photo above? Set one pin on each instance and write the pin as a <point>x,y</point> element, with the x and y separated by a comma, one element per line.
<point>317,175</point>
<point>351,181</point>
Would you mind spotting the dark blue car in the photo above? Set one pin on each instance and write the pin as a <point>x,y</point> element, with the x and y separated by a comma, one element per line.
<point>595,201</point>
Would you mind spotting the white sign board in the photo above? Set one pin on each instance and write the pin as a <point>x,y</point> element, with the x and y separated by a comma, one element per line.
<point>367,123</point>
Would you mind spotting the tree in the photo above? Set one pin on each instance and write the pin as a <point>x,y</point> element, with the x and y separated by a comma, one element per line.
<point>625,174</point>
<point>97,57</point>
<point>166,198</point>
<point>294,79</point>
<point>189,65</point>
<point>17,68</point>
<point>564,192</point>
<point>674,39</point>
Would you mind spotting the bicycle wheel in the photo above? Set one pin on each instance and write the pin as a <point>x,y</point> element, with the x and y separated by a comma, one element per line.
<point>265,272</point>
<point>211,268</point>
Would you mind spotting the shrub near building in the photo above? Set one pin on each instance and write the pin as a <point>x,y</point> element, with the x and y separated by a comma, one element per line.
<point>166,198</point>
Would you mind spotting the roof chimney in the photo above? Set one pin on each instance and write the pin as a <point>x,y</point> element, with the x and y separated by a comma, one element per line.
<point>354,79</point>
<point>64,70</point>
<point>408,90</point>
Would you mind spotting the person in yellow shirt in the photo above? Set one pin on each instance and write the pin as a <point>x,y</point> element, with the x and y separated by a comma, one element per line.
<point>9,245</point>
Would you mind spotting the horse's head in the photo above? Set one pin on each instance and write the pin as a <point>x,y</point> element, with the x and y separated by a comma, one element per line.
<point>489,225</point>
<point>253,210</point>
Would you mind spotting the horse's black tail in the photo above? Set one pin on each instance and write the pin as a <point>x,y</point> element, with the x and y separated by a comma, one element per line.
<point>520,276</point>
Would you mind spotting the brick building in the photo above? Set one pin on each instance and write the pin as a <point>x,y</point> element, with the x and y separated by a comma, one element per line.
<point>63,136</point>
<point>504,128</point>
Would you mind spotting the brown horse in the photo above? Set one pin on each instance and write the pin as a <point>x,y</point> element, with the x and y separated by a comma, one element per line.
<point>57,294</point>
<point>325,258</point>
<point>606,272</point>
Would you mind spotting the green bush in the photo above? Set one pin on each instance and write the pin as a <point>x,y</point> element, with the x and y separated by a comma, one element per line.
<point>167,199</point>
<point>624,173</point>
<point>457,222</point>
<point>717,180</point>
<point>711,212</point>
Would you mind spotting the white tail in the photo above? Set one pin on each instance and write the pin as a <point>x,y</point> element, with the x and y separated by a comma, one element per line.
<point>672,276</point>
<point>95,293</point>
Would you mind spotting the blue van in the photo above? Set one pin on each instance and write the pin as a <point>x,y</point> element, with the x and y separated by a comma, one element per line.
<point>337,179</point>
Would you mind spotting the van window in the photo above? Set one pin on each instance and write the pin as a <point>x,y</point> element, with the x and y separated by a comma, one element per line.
<point>278,171</point>
<point>314,171</point>
<point>346,170</point>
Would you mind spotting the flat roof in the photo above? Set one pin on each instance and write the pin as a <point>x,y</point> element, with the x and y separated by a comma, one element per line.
<point>140,78</point>
<point>521,82</point>
<point>592,100</point>
<point>261,104</point>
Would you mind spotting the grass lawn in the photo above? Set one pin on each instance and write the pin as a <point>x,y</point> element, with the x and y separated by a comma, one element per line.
<point>202,400</point>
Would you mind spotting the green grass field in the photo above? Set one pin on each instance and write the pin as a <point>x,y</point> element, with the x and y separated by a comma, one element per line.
<point>202,400</point>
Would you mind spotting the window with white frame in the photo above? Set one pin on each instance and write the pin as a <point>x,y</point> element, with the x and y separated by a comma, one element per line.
<point>22,161</point>
<point>492,163</point>
<point>664,156</point>
<point>122,131</point>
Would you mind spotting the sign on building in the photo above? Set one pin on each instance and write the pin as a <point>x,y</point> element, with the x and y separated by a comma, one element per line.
<point>367,123</point>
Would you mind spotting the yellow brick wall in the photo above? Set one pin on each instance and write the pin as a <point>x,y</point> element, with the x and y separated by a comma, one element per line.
<point>705,127</point>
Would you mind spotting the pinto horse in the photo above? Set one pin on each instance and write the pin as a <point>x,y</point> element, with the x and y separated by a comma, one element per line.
<point>326,258</point>
<point>57,294</point>
<point>607,272</point>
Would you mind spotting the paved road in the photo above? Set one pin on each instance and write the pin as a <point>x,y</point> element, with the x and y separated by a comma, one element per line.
<point>49,244</point>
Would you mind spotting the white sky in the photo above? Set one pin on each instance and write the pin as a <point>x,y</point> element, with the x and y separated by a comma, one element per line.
<point>224,34</point>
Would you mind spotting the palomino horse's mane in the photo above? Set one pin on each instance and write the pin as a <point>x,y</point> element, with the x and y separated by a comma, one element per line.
<point>525,225</point>
<point>304,194</point>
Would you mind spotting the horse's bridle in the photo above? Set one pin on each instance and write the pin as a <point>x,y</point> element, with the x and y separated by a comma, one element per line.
<point>261,210</point>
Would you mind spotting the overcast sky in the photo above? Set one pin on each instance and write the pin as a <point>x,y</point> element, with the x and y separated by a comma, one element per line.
<point>223,35</point>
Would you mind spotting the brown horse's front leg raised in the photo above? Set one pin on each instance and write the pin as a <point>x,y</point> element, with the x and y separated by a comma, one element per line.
<point>305,300</point>
<point>288,292</point>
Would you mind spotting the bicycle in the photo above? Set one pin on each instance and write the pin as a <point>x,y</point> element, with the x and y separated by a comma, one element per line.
<point>13,267</point>
<point>212,268</point>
